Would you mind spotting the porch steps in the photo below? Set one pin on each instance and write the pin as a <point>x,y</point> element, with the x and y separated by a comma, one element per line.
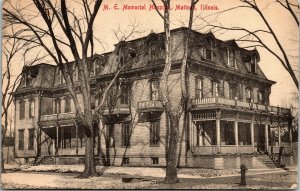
<point>265,160</point>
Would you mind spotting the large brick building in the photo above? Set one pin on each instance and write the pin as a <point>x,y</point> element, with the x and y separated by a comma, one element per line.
<point>230,118</point>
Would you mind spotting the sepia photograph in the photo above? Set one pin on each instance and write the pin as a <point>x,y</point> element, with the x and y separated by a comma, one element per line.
<point>150,94</point>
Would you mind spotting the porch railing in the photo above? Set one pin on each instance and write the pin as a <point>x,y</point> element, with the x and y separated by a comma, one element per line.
<point>152,104</point>
<point>238,104</point>
<point>60,116</point>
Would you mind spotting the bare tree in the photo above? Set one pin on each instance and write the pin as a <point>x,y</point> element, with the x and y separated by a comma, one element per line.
<point>67,34</point>
<point>12,50</point>
<point>257,38</point>
<point>77,38</point>
<point>173,113</point>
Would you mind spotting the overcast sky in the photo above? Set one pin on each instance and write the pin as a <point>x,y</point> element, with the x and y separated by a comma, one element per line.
<point>284,25</point>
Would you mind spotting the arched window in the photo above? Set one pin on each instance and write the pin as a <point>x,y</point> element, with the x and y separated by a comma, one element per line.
<point>31,108</point>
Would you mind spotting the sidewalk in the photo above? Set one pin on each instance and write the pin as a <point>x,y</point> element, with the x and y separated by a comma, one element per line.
<point>143,171</point>
<point>145,178</point>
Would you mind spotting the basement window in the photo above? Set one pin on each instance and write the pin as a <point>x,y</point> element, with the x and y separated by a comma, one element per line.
<point>125,160</point>
<point>154,160</point>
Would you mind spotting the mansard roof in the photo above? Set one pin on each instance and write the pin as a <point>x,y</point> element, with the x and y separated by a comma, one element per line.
<point>45,74</point>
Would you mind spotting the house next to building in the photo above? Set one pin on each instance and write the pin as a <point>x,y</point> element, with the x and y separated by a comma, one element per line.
<point>230,119</point>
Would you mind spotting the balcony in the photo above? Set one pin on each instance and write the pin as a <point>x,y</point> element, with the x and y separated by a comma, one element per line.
<point>150,106</point>
<point>212,102</point>
<point>60,116</point>
<point>119,109</point>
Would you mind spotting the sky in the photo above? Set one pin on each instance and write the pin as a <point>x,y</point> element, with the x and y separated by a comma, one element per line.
<point>109,21</point>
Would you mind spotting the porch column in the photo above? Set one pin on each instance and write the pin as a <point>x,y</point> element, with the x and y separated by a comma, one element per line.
<point>218,130</point>
<point>56,148</point>
<point>252,134</point>
<point>76,134</point>
<point>62,138</point>
<point>236,135</point>
<point>290,132</point>
<point>267,136</point>
<point>279,135</point>
<point>236,132</point>
<point>191,131</point>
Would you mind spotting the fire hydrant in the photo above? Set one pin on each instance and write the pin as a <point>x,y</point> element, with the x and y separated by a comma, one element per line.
<point>243,175</point>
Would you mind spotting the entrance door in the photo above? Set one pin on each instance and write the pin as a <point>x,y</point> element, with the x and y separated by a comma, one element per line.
<point>261,147</point>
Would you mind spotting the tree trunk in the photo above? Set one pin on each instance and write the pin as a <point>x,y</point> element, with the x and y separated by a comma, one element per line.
<point>89,163</point>
<point>2,161</point>
<point>171,168</point>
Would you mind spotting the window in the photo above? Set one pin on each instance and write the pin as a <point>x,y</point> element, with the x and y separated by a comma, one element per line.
<point>67,105</point>
<point>260,98</point>
<point>60,77</point>
<point>217,89</point>
<point>28,79</point>
<point>31,108</point>
<point>154,133</point>
<point>125,160</point>
<point>124,94</point>
<point>249,94</point>
<point>110,140</point>
<point>154,89</point>
<point>74,72</point>
<point>125,134</point>
<point>98,64</point>
<point>199,88</point>
<point>154,160</point>
<point>234,92</point>
<point>231,61</point>
<point>207,51</point>
<point>21,139</point>
<point>30,139</point>
<point>57,106</point>
<point>253,64</point>
<point>22,109</point>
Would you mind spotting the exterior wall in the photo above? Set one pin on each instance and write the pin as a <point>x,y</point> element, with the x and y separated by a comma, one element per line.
<point>140,152</point>
<point>26,124</point>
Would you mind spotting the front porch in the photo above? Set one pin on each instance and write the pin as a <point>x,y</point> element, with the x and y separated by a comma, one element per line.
<point>222,131</point>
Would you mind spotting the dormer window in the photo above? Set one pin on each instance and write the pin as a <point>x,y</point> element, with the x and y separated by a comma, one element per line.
<point>98,66</point>
<point>207,51</point>
<point>253,64</point>
<point>231,58</point>
<point>60,77</point>
<point>28,80</point>
<point>74,72</point>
